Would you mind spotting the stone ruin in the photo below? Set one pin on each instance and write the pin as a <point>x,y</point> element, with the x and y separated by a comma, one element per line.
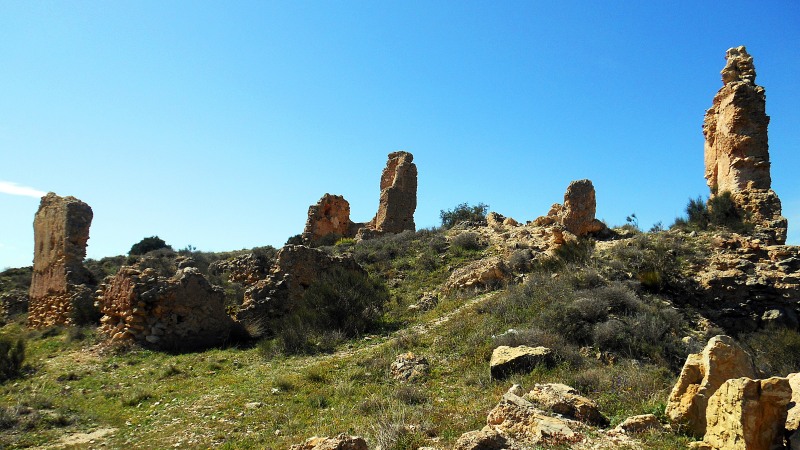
<point>576,215</point>
<point>295,269</point>
<point>398,195</point>
<point>398,201</point>
<point>737,150</point>
<point>60,286</point>
<point>178,313</point>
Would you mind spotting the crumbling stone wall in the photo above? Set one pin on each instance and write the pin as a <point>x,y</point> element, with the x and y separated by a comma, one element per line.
<point>398,199</point>
<point>330,216</point>
<point>177,313</point>
<point>296,268</point>
<point>737,148</point>
<point>60,283</point>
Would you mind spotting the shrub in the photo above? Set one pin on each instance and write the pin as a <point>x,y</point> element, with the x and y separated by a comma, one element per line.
<point>12,355</point>
<point>344,300</point>
<point>463,213</point>
<point>775,350</point>
<point>720,211</point>
<point>297,239</point>
<point>148,244</point>
<point>467,241</point>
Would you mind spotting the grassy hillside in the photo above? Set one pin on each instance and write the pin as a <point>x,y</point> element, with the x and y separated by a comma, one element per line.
<point>617,314</point>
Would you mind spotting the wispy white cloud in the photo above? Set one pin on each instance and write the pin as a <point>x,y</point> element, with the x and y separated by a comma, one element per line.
<point>7,187</point>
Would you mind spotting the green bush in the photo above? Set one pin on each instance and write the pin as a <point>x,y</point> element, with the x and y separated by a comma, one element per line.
<point>467,241</point>
<point>775,350</point>
<point>12,355</point>
<point>463,213</point>
<point>719,212</point>
<point>148,244</point>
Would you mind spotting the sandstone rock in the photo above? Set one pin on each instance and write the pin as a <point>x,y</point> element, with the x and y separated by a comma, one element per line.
<point>638,424</point>
<point>481,440</point>
<point>295,269</point>
<point>61,230</point>
<point>564,400</point>
<point>793,415</point>
<point>702,374</point>
<point>507,360</point>
<point>737,149</point>
<point>746,414</point>
<point>409,367</point>
<point>482,275</point>
<point>398,199</point>
<point>340,442</point>
<point>518,418</point>
<point>330,216</point>
<point>178,313</point>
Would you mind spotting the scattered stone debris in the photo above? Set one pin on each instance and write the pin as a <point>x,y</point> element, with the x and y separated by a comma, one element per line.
<point>60,286</point>
<point>426,302</point>
<point>508,360</point>
<point>409,368</point>
<point>182,312</point>
<point>737,149</point>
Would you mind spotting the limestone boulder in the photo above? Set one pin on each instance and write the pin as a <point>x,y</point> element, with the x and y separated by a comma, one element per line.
<point>398,199</point>
<point>638,424</point>
<point>565,400</point>
<point>747,414</point>
<point>60,285</point>
<point>702,374</point>
<point>340,442</point>
<point>409,367</point>
<point>482,440</point>
<point>483,275</point>
<point>508,360</point>
<point>183,312</point>
<point>521,420</point>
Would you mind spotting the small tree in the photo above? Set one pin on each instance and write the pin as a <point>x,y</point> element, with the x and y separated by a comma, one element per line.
<point>463,213</point>
<point>148,244</point>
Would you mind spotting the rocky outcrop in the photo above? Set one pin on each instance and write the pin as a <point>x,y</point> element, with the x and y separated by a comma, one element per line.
<point>523,422</point>
<point>737,149</point>
<point>508,360</point>
<point>562,399</point>
<point>340,442</point>
<point>329,217</point>
<point>409,367</point>
<point>13,303</point>
<point>482,275</point>
<point>178,313</point>
<point>398,199</point>
<point>702,374</point>
<point>577,212</point>
<point>746,414</point>
<point>745,284</point>
<point>296,268</point>
<point>60,284</point>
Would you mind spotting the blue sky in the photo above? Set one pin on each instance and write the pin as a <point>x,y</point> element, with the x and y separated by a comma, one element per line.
<point>216,124</point>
